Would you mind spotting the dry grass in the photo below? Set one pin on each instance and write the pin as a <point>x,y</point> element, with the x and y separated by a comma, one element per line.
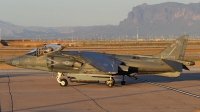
<point>28,43</point>
<point>123,51</point>
<point>113,47</point>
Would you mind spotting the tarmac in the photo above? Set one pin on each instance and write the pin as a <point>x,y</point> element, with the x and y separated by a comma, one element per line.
<point>30,90</point>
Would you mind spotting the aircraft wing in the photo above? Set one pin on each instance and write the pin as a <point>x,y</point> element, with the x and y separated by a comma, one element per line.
<point>103,62</point>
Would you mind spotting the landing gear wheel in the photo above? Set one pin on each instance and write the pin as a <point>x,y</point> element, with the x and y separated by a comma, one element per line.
<point>110,83</point>
<point>123,82</point>
<point>64,82</point>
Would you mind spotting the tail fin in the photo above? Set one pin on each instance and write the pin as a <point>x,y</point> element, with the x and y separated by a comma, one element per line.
<point>175,51</point>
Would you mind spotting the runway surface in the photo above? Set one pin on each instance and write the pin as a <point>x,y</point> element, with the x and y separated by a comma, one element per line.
<point>29,90</point>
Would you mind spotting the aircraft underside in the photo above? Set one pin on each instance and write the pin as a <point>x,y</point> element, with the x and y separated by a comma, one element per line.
<point>91,78</point>
<point>108,79</point>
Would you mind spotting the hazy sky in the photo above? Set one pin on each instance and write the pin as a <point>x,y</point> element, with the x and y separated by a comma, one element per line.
<point>54,13</point>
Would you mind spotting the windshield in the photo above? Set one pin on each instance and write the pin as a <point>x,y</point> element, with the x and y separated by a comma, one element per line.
<point>33,52</point>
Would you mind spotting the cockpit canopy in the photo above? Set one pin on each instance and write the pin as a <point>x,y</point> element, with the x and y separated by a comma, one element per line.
<point>48,48</point>
<point>53,47</point>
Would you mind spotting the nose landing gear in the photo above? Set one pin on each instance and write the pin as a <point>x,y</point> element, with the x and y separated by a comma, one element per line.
<point>123,82</point>
<point>62,82</point>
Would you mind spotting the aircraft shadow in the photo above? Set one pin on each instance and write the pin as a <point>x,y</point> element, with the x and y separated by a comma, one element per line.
<point>89,99</point>
<point>160,79</point>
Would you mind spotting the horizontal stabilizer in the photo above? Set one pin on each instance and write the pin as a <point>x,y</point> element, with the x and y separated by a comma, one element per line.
<point>174,64</point>
<point>185,67</point>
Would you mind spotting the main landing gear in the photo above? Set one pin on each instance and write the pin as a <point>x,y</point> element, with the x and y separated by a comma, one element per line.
<point>133,76</point>
<point>110,82</point>
<point>123,82</point>
<point>62,82</point>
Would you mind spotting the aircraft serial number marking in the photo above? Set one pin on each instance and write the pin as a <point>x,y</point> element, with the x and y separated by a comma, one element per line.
<point>164,55</point>
<point>150,60</point>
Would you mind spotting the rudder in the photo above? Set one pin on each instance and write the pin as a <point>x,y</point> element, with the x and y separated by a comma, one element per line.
<point>174,51</point>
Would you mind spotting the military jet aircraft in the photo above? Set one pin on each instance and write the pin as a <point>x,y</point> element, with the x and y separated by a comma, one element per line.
<point>83,66</point>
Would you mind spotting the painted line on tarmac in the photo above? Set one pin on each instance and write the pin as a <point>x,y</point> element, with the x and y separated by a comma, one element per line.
<point>170,88</point>
<point>11,96</point>
<point>90,98</point>
<point>23,70</point>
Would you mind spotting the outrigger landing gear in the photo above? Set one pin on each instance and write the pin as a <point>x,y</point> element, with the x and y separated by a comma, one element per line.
<point>133,76</point>
<point>123,82</point>
<point>62,82</point>
<point>110,82</point>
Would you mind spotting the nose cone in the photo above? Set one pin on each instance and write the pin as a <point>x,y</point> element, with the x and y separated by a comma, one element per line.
<point>13,62</point>
<point>9,62</point>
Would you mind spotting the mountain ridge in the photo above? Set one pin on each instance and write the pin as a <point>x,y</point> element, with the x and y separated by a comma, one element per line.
<point>176,18</point>
<point>169,18</point>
